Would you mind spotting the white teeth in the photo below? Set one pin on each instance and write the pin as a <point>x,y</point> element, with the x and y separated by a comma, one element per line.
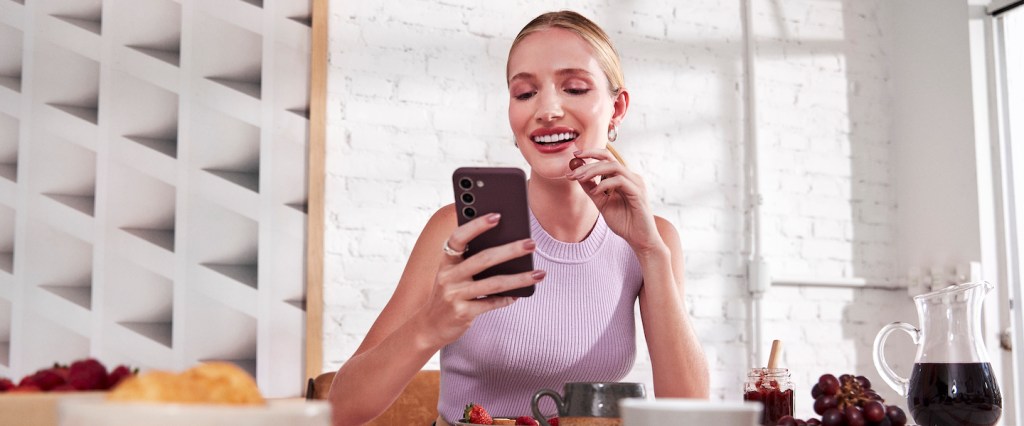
<point>554,138</point>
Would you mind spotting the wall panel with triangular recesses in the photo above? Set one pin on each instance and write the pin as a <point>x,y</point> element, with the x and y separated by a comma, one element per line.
<point>153,184</point>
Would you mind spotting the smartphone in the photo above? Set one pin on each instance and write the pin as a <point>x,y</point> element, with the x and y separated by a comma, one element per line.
<point>483,190</point>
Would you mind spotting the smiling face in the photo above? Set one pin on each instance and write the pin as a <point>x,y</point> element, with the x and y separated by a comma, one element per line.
<point>559,100</point>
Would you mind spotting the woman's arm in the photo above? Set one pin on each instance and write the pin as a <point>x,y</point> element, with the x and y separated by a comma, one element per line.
<point>677,358</point>
<point>680,369</point>
<point>434,303</point>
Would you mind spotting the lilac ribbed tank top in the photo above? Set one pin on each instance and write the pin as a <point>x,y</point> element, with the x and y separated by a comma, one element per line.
<point>577,327</point>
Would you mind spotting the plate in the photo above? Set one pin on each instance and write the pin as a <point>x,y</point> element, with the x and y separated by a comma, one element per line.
<point>474,424</point>
<point>291,412</point>
<point>666,411</point>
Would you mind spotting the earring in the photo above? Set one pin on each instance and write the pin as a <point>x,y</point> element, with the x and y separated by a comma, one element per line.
<point>613,133</point>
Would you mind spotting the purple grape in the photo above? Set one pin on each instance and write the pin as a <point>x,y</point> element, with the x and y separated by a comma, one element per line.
<point>813,422</point>
<point>816,391</point>
<point>845,378</point>
<point>786,421</point>
<point>829,384</point>
<point>896,415</point>
<point>800,422</point>
<point>864,382</point>
<point>832,417</point>
<point>823,404</point>
<point>853,416</point>
<point>874,411</point>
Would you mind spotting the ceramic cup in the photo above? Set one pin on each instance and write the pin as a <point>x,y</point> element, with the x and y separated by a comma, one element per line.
<point>588,403</point>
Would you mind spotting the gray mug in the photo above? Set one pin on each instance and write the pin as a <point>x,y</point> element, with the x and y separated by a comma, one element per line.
<point>582,400</point>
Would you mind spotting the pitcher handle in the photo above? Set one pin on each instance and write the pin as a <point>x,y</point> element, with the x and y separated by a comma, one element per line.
<point>534,404</point>
<point>895,381</point>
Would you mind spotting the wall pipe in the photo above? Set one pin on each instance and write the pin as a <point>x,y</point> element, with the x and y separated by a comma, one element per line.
<point>757,268</point>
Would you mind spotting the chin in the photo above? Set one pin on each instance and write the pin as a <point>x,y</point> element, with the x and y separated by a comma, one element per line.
<point>552,169</point>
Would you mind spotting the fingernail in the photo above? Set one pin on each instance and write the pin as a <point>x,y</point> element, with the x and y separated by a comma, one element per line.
<point>529,244</point>
<point>538,274</point>
<point>576,153</point>
<point>494,217</point>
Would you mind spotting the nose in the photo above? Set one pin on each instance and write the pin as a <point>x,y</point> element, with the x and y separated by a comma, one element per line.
<point>549,108</point>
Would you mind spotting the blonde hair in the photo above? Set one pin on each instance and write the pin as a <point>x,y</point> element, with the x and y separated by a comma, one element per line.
<point>598,40</point>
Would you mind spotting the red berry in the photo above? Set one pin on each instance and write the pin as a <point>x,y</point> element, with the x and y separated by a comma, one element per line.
<point>786,421</point>
<point>6,384</point>
<point>47,379</point>
<point>823,404</point>
<point>28,380</point>
<point>553,421</point>
<point>27,388</point>
<point>829,384</point>
<point>61,370</point>
<point>874,411</point>
<point>853,416</point>
<point>526,420</point>
<point>896,415</point>
<point>477,415</point>
<point>832,417</point>
<point>88,374</point>
<point>118,374</point>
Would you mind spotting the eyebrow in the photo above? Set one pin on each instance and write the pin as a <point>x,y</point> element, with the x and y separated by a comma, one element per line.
<point>562,72</point>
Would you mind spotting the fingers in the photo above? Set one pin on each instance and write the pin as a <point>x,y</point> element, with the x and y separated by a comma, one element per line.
<point>601,179</point>
<point>462,235</point>
<point>493,256</point>
<point>613,184</point>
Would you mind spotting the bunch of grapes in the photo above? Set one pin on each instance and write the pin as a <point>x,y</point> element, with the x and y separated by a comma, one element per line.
<point>848,401</point>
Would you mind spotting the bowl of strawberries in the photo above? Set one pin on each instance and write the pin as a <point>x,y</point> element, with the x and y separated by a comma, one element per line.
<point>34,398</point>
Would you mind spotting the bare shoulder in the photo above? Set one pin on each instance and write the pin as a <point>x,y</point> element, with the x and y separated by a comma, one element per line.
<point>442,222</point>
<point>426,252</point>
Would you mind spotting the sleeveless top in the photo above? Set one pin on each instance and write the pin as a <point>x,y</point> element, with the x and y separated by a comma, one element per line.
<point>577,327</point>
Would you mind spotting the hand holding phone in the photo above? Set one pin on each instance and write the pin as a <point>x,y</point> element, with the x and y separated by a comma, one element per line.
<point>484,190</point>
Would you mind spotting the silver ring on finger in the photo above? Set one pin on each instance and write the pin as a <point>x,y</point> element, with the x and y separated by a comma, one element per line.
<point>448,250</point>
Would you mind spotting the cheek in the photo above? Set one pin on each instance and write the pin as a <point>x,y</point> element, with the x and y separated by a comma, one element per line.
<point>517,115</point>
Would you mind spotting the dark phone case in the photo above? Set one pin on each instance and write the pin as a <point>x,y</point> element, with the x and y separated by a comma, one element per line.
<point>504,191</point>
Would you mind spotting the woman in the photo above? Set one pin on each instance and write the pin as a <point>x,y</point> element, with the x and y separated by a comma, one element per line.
<point>597,247</point>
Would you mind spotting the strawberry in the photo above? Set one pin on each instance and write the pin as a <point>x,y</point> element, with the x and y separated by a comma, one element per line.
<point>526,420</point>
<point>553,421</point>
<point>6,384</point>
<point>27,388</point>
<point>29,380</point>
<point>47,379</point>
<point>118,374</point>
<point>61,370</point>
<point>64,388</point>
<point>477,415</point>
<point>88,374</point>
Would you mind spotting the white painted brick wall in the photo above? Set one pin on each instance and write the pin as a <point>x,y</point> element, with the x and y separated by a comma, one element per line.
<point>417,90</point>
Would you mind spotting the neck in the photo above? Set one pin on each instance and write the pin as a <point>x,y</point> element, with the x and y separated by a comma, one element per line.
<point>562,208</point>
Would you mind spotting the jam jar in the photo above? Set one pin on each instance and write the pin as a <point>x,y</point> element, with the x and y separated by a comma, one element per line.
<point>774,389</point>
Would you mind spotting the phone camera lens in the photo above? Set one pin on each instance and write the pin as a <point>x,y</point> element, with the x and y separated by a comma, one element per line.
<point>466,183</point>
<point>469,212</point>
<point>467,198</point>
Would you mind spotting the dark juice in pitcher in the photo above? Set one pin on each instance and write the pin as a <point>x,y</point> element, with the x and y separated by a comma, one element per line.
<point>956,394</point>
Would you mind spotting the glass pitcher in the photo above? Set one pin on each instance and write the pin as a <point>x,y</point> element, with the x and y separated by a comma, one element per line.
<point>952,382</point>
